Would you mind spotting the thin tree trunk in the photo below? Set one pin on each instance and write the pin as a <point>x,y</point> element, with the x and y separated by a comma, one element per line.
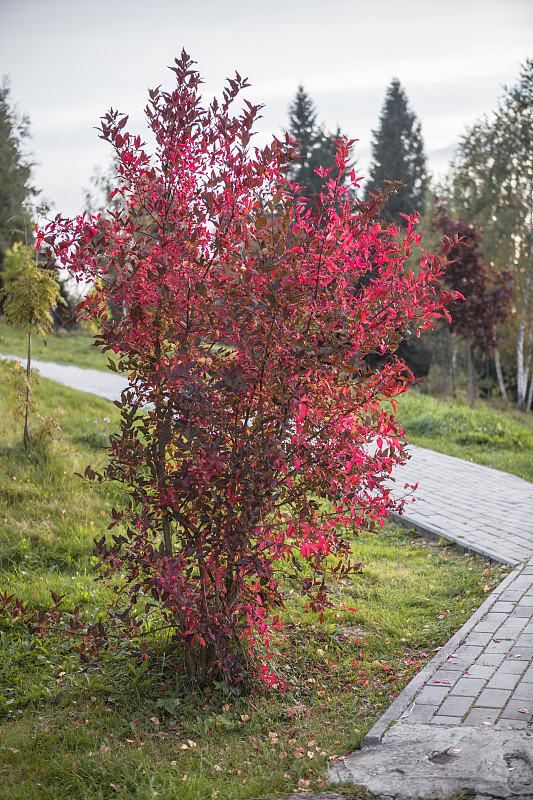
<point>529,399</point>
<point>522,368</point>
<point>487,379</point>
<point>470,374</point>
<point>27,440</point>
<point>499,373</point>
<point>453,366</point>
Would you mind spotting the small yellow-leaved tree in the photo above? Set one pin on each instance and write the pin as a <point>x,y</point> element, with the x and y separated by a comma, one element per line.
<point>30,293</point>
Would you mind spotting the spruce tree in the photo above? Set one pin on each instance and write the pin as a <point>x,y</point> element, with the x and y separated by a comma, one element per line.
<point>16,191</point>
<point>398,155</point>
<point>316,146</point>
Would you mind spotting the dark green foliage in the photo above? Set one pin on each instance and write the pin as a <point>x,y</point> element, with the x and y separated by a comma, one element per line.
<point>398,155</point>
<point>15,172</point>
<point>316,146</point>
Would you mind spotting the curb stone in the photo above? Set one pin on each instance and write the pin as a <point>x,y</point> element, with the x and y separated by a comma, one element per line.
<point>427,531</point>
<point>406,696</point>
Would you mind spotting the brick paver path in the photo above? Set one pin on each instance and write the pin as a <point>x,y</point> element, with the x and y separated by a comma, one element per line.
<point>466,719</point>
<point>480,508</point>
<point>488,679</point>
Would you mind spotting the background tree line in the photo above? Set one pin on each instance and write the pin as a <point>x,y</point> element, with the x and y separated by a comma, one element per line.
<point>486,197</point>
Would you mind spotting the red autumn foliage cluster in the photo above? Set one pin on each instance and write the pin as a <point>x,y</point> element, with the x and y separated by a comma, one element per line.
<point>486,293</point>
<point>248,434</point>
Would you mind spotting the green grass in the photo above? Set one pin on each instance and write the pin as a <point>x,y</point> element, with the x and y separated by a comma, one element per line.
<point>485,435</point>
<point>117,729</point>
<point>62,347</point>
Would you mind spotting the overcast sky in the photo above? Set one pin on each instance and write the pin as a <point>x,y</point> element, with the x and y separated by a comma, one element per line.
<point>70,61</point>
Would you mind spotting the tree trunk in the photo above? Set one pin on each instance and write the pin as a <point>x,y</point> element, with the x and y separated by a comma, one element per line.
<point>529,399</point>
<point>27,440</point>
<point>499,373</point>
<point>522,363</point>
<point>470,374</point>
<point>453,366</point>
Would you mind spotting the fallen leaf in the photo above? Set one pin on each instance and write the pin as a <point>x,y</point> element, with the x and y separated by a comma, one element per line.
<point>74,766</point>
<point>523,710</point>
<point>487,723</point>
<point>154,720</point>
<point>13,749</point>
<point>455,750</point>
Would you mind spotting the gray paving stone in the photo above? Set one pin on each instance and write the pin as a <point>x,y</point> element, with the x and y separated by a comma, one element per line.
<point>469,652</point>
<point>481,716</point>
<point>490,659</point>
<point>432,695</point>
<point>511,724</point>
<point>503,680</point>
<point>479,638</point>
<point>491,623</point>
<point>523,611</point>
<point>497,646</point>
<point>512,710</point>
<point>515,665</point>
<point>502,606</point>
<point>493,698</point>
<point>524,691</point>
<point>458,664</point>
<point>446,677</point>
<point>479,671</point>
<point>469,687</point>
<point>418,713</point>
<point>455,706</point>
<point>525,653</point>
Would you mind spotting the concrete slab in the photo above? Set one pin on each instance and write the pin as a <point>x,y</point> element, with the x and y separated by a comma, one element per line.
<point>422,761</point>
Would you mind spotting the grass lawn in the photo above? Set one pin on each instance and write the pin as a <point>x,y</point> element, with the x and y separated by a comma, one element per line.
<point>485,435</point>
<point>122,729</point>
<point>62,347</point>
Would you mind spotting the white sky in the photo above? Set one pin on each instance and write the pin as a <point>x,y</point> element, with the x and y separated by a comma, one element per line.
<point>70,61</point>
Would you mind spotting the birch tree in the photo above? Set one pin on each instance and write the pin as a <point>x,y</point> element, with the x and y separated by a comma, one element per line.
<point>491,184</point>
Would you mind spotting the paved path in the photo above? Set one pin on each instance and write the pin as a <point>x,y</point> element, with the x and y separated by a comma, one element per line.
<point>103,384</point>
<point>466,719</point>
<point>480,508</point>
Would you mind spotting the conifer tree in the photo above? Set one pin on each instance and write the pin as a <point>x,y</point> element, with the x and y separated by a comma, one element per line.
<point>317,147</point>
<point>398,155</point>
<point>15,174</point>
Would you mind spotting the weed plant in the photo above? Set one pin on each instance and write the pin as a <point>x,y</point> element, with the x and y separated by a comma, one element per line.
<point>484,435</point>
<point>125,728</point>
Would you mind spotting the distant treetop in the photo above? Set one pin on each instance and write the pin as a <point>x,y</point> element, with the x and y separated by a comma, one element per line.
<point>398,155</point>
